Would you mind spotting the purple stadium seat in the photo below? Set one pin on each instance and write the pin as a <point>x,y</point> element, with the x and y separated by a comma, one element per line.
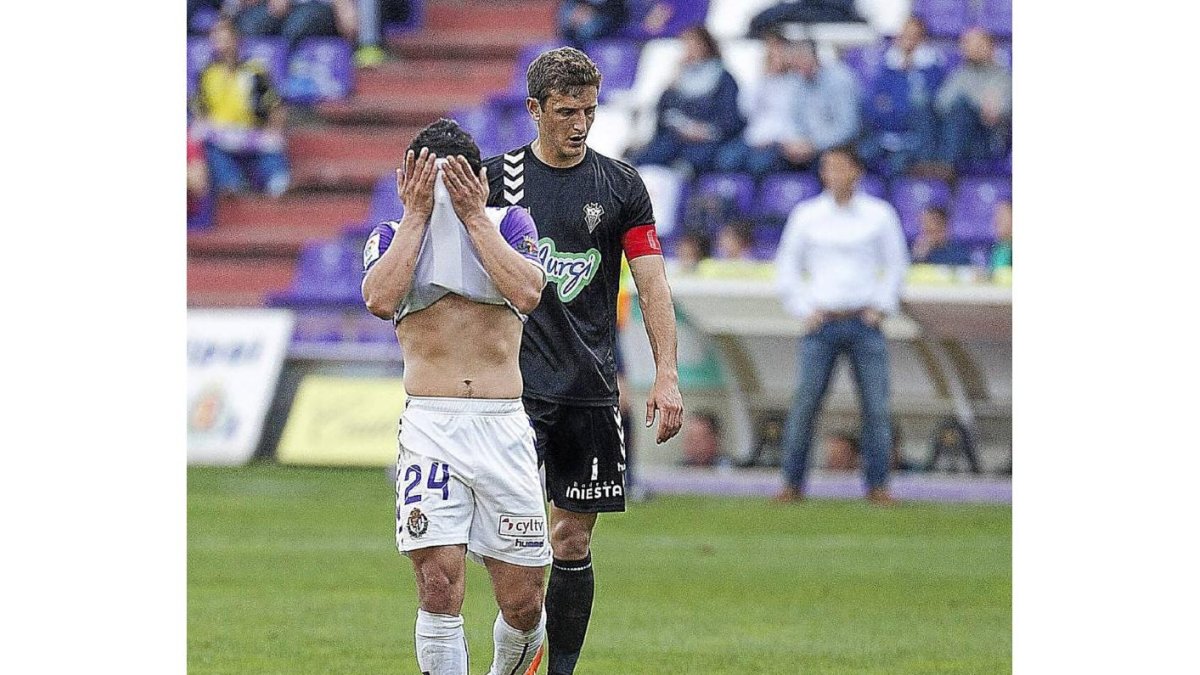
<point>974,203</point>
<point>999,167</point>
<point>945,18</point>
<point>733,188</point>
<point>618,60</point>
<point>314,325</point>
<point>865,61</point>
<point>996,17</point>
<point>873,185</point>
<point>328,272</point>
<point>478,122</point>
<point>321,69</point>
<point>517,86</point>
<point>199,54</point>
<point>511,126</point>
<point>203,218</point>
<point>780,192</point>
<point>272,53</point>
<point>911,195</point>
<point>203,20</point>
<point>385,203</point>
<point>766,240</point>
<point>663,18</point>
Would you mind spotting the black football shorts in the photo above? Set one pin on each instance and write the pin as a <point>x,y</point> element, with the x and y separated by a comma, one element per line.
<point>583,450</point>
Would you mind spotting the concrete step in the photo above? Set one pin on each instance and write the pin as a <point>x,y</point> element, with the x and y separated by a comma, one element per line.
<point>341,175</point>
<point>435,75</point>
<point>265,242</point>
<point>485,16</point>
<point>303,210</point>
<point>368,144</point>
<point>502,42</point>
<point>397,109</point>
<point>235,283</point>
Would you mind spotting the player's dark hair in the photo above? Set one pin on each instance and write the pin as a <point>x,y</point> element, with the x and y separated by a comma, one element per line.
<point>710,43</point>
<point>939,211</point>
<point>446,138</point>
<point>848,150</point>
<point>564,70</point>
<point>774,33</point>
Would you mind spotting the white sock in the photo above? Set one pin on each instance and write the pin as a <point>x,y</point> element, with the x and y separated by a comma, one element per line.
<point>441,644</point>
<point>515,649</point>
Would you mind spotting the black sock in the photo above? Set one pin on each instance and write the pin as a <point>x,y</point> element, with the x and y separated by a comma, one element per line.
<point>568,610</point>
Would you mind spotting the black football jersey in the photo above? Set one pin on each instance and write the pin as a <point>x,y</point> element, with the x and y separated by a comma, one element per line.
<point>582,213</point>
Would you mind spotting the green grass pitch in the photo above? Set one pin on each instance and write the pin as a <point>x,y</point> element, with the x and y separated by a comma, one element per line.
<point>295,571</point>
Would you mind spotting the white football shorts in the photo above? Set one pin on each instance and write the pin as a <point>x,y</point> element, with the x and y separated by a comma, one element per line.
<point>468,474</point>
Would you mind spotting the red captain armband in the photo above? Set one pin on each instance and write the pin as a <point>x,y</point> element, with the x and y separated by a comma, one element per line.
<point>641,240</point>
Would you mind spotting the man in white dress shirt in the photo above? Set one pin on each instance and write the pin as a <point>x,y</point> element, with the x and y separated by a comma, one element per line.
<point>840,267</point>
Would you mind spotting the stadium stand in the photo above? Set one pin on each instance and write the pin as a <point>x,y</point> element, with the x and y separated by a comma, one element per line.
<point>468,59</point>
<point>346,139</point>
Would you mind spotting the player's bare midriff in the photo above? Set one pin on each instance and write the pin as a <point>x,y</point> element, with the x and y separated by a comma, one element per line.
<point>456,347</point>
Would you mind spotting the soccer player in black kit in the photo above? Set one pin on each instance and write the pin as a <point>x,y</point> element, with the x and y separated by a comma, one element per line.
<point>589,209</point>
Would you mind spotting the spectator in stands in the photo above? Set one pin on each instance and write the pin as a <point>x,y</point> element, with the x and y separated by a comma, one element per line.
<point>735,241</point>
<point>240,118</point>
<point>975,105</point>
<point>827,107</point>
<point>699,112</point>
<point>372,15</point>
<point>582,22</point>
<point>933,246</point>
<point>1002,249</point>
<point>840,266</point>
<point>197,176</point>
<point>901,127</point>
<point>295,20</point>
<point>693,248</point>
<point>772,128</point>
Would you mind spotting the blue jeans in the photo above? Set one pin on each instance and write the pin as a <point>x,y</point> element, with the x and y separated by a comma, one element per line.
<point>307,19</point>
<point>737,155</point>
<point>895,155</point>
<point>965,137</point>
<point>819,350</point>
<point>599,26</point>
<point>228,174</point>
<point>666,148</point>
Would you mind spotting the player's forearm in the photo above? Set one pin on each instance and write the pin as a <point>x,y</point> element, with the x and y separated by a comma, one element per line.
<point>518,281</point>
<point>390,279</point>
<point>658,313</point>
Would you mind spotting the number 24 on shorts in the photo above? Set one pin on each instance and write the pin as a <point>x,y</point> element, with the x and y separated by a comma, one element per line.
<point>413,475</point>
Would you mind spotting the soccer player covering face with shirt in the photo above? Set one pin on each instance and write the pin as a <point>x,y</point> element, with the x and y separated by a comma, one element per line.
<point>589,210</point>
<point>457,279</point>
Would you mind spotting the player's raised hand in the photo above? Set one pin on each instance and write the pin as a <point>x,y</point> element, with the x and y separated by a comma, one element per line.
<point>468,192</point>
<point>665,398</point>
<point>414,183</point>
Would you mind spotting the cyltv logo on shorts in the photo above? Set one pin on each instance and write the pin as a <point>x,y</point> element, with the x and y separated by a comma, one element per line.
<point>522,526</point>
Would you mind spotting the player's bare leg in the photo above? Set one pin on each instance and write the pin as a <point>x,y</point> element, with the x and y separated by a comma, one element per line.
<point>571,588</point>
<point>520,626</point>
<point>441,584</point>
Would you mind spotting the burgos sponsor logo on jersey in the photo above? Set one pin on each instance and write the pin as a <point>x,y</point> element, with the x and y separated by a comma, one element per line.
<point>571,272</point>
<point>516,527</point>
